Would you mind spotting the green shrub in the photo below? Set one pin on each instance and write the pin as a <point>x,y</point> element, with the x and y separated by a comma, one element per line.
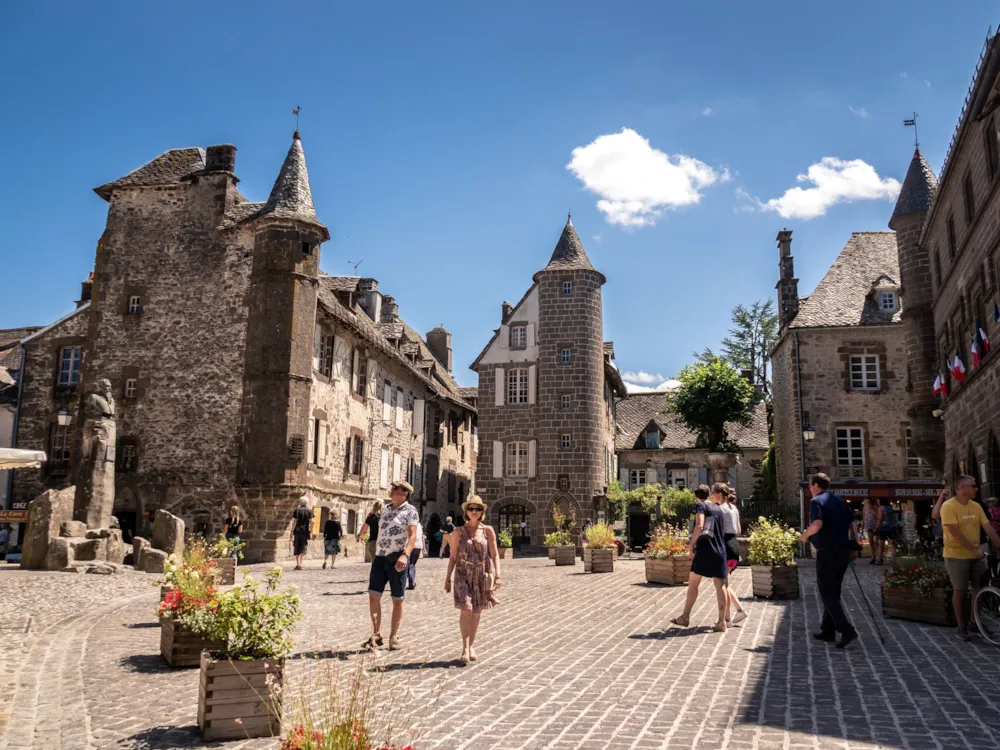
<point>772,543</point>
<point>505,540</point>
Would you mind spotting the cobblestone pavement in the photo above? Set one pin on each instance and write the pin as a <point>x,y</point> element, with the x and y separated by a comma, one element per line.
<point>569,660</point>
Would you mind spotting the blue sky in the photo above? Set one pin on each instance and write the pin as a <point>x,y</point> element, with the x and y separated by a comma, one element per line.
<point>438,138</point>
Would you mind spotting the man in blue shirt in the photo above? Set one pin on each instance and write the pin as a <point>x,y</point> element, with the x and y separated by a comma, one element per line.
<point>833,533</point>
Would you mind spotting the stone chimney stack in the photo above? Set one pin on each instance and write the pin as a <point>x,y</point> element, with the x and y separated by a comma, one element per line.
<point>221,158</point>
<point>439,342</point>
<point>788,285</point>
<point>506,309</point>
<point>370,298</point>
<point>390,310</point>
<point>86,289</point>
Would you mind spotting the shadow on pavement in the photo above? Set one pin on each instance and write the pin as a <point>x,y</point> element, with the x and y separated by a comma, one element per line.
<point>163,738</point>
<point>411,666</point>
<point>145,664</point>
<point>678,632</point>
<point>339,654</point>
<point>344,593</point>
<point>143,625</point>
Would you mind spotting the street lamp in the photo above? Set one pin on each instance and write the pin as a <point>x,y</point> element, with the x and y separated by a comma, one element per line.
<point>64,418</point>
<point>808,433</point>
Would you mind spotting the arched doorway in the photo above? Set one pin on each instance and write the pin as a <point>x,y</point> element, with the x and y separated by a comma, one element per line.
<point>126,510</point>
<point>514,518</point>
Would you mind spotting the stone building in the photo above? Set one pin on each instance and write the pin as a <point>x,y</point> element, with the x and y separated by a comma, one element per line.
<point>546,400</point>
<point>840,378</point>
<point>949,251</point>
<point>654,446</point>
<point>10,373</point>
<point>244,375</point>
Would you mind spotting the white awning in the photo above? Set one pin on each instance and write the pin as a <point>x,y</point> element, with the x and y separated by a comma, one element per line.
<point>13,458</point>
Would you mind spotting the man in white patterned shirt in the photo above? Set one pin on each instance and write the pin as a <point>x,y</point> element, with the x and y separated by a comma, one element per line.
<point>397,535</point>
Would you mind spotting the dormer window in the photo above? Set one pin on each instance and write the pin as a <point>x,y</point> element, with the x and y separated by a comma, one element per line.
<point>653,440</point>
<point>888,301</point>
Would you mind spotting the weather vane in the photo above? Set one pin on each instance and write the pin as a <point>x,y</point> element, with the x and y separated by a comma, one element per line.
<point>296,113</point>
<point>913,122</point>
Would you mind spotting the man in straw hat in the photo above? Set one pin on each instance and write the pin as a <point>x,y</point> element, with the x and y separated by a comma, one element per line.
<point>397,535</point>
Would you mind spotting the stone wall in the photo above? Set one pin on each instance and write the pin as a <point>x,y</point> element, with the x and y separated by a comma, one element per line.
<point>787,427</point>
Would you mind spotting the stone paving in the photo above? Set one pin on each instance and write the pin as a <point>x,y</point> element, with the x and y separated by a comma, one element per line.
<point>569,660</point>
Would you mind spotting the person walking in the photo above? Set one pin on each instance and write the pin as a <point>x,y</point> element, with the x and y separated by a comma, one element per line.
<point>233,528</point>
<point>886,530</point>
<point>869,519</point>
<point>397,536</point>
<point>963,521</point>
<point>833,533</point>
<point>474,561</point>
<point>446,531</point>
<point>332,534</point>
<point>418,548</point>
<point>731,529</point>
<point>302,531</point>
<point>708,553</point>
<point>371,526</point>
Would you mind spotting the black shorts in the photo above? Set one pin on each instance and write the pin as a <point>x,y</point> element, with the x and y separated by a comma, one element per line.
<point>384,571</point>
<point>732,547</point>
<point>886,532</point>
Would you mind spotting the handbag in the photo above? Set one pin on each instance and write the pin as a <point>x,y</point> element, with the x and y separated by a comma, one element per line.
<point>489,581</point>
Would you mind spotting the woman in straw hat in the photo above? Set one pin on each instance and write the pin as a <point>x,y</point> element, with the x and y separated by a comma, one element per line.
<point>475,563</point>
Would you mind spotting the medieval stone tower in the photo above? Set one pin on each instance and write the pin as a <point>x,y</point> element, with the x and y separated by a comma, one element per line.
<point>916,293</point>
<point>545,406</point>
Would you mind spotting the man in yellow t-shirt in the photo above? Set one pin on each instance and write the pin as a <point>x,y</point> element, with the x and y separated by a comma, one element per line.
<point>962,520</point>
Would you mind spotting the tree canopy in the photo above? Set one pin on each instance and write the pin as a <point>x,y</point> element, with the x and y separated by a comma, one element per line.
<point>710,395</point>
<point>749,343</point>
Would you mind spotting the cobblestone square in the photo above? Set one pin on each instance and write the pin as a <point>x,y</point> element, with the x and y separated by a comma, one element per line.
<point>568,660</point>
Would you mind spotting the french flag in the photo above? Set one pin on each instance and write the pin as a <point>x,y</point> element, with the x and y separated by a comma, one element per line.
<point>957,368</point>
<point>940,386</point>
<point>974,348</point>
<point>983,338</point>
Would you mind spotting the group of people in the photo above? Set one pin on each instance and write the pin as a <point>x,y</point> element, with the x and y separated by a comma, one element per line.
<point>881,528</point>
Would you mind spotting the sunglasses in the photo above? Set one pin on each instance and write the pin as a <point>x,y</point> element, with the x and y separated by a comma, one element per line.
<point>475,509</point>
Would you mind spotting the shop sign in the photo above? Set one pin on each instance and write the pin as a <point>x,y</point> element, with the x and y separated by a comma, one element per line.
<point>13,516</point>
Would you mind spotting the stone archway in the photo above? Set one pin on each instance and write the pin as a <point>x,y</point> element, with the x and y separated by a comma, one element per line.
<point>569,506</point>
<point>518,510</point>
<point>128,510</point>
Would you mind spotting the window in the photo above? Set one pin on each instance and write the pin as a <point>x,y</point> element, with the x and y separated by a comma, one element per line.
<point>324,354</point>
<point>565,401</point>
<point>636,478</point>
<point>453,423</point>
<point>970,199</point>
<point>436,418</point>
<point>134,304</point>
<point>129,391</point>
<point>951,237</point>
<point>69,365</point>
<point>564,440</point>
<point>864,373</point>
<point>411,471</point>
<point>314,452</point>
<point>888,301</point>
<point>362,374</point>
<point>916,467</point>
<point>567,288</point>
<point>518,337</point>
<point>59,446</point>
<point>517,459</point>
<point>564,482</point>
<point>851,451</point>
<point>307,248</point>
<point>128,455</point>
<point>653,440</point>
<point>678,478</point>
<point>990,146</point>
<point>357,456</point>
<point>565,355</point>
<point>517,386</point>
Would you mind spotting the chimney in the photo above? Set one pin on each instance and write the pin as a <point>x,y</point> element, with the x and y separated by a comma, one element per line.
<point>221,158</point>
<point>370,299</point>
<point>86,289</point>
<point>505,311</point>
<point>439,342</point>
<point>390,310</point>
<point>788,285</point>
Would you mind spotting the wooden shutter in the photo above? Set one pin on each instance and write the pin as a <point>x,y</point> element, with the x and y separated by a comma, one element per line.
<point>418,416</point>
<point>499,387</point>
<point>497,459</point>
<point>323,431</point>
<point>400,398</point>
<point>650,476</point>
<point>372,374</point>
<point>530,335</point>
<point>504,337</point>
<point>355,371</point>
<point>532,383</point>
<point>532,456</point>
<point>339,353</point>
<point>383,476</point>
<point>623,477</point>
<point>386,403</point>
<point>311,450</point>
<point>396,467</point>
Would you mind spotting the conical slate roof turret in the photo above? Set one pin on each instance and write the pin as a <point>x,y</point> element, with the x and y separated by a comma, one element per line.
<point>918,189</point>
<point>291,196</point>
<point>569,254</point>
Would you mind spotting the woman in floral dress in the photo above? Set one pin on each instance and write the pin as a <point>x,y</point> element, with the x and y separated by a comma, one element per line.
<point>473,552</point>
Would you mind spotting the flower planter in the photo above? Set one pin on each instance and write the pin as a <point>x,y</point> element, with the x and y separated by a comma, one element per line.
<point>565,555</point>
<point>907,603</point>
<point>164,590</point>
<point>775,581</point>
<point>246,690</point>
<point>598,560</point>
<point>503,552</point>
<point>180,647</point>
<point>673,571</point>
<point>552,553</point>
<point>225,571</point>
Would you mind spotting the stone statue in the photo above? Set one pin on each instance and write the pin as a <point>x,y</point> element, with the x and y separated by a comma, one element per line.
<point>95,486</point>
<point>99,403</point>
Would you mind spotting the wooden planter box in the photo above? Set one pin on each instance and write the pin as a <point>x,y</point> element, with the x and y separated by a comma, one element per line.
<point>502,551</point>
<point>775,581</point>
<point>179,647</point>
<point>565,555</point>
<point>598,560</point>
<point>673,571</point>
<point>225,571</point>
<point>552,553</point>
<point>908,604</point>
<point>245,690</point>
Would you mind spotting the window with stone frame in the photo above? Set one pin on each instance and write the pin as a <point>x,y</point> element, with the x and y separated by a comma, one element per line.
<point>516,463</point>
<point>519,337</point>
<point>636,478</point>
<point>567,288</point>
<point>129,390</point>
<point>324,354</point>
<point>59,444</point>
<point>990,147</point>
<point>565,400</point>
<point>411,471</point>
<point>916,467</point>
<point>970,199</point>
<point>565,440</point>
<point>453,424</point>
<point>134,304</point>
<point>565,355</point>
<point>865,374</point>
<point>127,452</point>
<point>952,244</point>
<point>517,385</point>
<point>69,366</point>
<point>851,452</point>
<point>362,374</point>
<point>436,422</point>
<point>357,454</point>
<point>563,482</point>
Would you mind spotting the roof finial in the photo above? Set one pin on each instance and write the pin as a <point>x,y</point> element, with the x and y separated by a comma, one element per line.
<point>569,213</point>
<point>913,122</point>
<point>298,108</point>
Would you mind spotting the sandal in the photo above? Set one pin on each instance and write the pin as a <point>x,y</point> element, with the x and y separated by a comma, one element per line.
<point>473,656</point>
<point>465,657</point>
<point>717,628</point>
<point>394,644</point>
<point>372,643</point>
<point>738,617</point>
<point>681,621</point>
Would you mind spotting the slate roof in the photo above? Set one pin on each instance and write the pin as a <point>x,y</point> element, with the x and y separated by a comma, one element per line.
<point>918,189</point>
<point>167,168</point>
<point>569,254</point>
<point>10,352</point>
<point>341,283</point>
<point>468,391</point>
<point>844,296</point>
<point>636,411</point>
<point>240,212</point>
<point>291,196</point>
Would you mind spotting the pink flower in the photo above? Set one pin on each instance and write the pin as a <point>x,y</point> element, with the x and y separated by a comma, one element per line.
<point>238,720</point>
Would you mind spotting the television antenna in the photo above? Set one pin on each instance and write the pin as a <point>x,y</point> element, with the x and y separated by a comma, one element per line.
<point>352,263</point>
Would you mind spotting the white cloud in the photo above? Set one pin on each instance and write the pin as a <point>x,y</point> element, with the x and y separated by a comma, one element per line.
<point>833,181</point>
<point>707,111</point>
<point>904,75</point>
<point>643,377</point>
<point>861,112</point>
<point>667,385</point>
<point>597,238</point>
<point>928,83</point>
<point>635,182</point>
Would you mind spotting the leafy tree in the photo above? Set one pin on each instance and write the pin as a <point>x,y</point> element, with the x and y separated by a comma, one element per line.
<point>769,482</point>
<point>750,340</point>
<point>706,357</point>
<point>710,395</point>
<point>675,504</point>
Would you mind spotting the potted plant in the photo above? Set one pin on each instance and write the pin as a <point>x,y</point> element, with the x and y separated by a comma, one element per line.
<point>598,555</point>
<point>224,552</point>
<point>242,679</point>
<point>551,542</point>
<point>772,547</point>
<point>504,542</point>
<point>917,590</point>
<point>185,607</point>
<point>667,557</point>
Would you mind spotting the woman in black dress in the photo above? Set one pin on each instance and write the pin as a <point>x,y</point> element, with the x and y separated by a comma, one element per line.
<point>708,555</point>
